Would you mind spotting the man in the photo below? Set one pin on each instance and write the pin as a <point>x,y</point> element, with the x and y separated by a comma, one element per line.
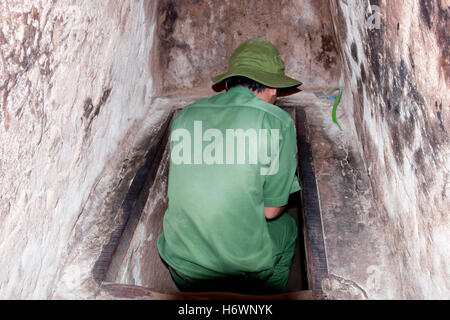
<point>225,228</point>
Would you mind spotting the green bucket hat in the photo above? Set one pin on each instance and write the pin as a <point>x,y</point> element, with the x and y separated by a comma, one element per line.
<point>259,60</point>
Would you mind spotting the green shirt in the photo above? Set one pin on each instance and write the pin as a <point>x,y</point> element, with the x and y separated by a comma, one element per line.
<point>215,223</point>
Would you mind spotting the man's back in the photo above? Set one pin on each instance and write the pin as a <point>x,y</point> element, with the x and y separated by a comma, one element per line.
<point>215,223</point>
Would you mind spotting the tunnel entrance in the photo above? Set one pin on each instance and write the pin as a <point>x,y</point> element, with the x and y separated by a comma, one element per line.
<point>130,265</point>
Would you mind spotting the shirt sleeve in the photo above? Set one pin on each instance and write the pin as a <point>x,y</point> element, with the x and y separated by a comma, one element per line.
<point>279,184</point>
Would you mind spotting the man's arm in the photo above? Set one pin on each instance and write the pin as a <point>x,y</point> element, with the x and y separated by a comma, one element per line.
<point>279,186</point>
<point>272,213</point>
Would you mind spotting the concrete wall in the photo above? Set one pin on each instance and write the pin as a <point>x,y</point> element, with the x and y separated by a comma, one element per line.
<point>198,37</point>
<point>396,75</point>
<point>75,80</point>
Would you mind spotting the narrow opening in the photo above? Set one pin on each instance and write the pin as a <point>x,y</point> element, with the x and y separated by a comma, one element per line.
<point>298,279</point>
<point>131,259</point>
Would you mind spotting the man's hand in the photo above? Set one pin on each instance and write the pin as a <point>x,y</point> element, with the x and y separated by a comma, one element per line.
<point>272,213</point>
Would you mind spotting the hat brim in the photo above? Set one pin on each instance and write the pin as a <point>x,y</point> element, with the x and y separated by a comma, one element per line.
<point>270,80</point>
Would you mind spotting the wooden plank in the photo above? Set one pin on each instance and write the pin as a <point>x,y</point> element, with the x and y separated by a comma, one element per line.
<point>124,291</point>
<point>298,278</point>
<point>313,231</point>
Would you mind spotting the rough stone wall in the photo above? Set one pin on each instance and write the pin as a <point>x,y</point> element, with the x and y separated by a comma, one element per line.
<point>198,37</point>
<point>75,81</point>
<point>396,77</point>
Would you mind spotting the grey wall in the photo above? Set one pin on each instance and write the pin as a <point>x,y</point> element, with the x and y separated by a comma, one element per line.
<point>198,37</point>
<point>75,81</point>
<point>396,80</point>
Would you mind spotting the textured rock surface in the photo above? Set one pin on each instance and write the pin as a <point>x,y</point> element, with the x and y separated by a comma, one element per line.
<point>75,78</point>
<point>396,77</point>
<point>198,37</point>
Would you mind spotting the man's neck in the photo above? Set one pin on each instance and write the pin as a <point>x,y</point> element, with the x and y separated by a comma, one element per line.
<point>268,95</point>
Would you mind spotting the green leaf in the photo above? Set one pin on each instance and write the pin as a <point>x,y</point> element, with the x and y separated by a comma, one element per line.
<point>336,104</point>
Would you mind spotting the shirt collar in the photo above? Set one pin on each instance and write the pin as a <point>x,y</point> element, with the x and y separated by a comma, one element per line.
<point>242,90</point>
